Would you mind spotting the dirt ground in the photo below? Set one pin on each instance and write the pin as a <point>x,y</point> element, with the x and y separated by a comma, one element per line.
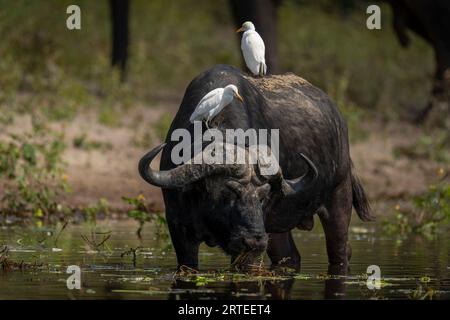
<point>112,172</point>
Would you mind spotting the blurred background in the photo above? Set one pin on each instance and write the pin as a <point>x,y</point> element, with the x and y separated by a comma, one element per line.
<point>79,107</point>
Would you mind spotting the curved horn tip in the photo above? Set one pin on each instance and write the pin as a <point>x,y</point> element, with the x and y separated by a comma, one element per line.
<point>161,146</point>
<point>147,159</point>
<point>311,165</point>
<point>152,153</point>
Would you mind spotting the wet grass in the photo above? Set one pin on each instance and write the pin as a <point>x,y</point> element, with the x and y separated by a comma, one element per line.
<point>428,212</point>
<point>8,265</point>
<point>97,240</point>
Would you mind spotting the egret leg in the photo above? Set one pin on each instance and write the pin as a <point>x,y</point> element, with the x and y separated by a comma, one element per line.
<point>207,121</point>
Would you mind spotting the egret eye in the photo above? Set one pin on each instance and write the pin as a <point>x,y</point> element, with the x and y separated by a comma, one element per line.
<point>212,104</point>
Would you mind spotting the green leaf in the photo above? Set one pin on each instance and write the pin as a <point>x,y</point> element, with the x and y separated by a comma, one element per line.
<point>29,153</point>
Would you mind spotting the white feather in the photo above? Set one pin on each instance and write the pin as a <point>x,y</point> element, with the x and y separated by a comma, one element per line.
<point>212,103</point>
<point>253,49</point>
<point>208,102</point>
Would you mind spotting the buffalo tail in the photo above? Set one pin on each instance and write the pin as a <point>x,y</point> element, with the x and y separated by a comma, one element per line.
<point>360,202</point>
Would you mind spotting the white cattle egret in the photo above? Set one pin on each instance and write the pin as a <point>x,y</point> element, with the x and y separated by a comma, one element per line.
<point>253,48</point>
<point>213,102</point>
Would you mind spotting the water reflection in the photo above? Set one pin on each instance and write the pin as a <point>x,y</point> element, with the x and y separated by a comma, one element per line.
<point>250,290</point>
<point>412,268</point>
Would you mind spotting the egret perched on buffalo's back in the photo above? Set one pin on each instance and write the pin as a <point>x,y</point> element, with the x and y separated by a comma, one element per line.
<point>253,48</point>
<point>213,102</point>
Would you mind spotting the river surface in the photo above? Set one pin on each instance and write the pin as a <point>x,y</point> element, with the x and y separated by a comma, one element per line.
<point>411,268</point>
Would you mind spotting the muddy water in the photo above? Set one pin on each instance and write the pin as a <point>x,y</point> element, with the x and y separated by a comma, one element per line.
<point>411,268</point>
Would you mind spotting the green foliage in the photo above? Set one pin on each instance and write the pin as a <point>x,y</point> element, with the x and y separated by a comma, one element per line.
<point>6,117</point>
<point>67,70</point>
<point>34,172</point>
<point>422,292</point>
<point>82,142</point>
<point>430,211</point>
<point>353,114</point>
<point>142,213</point>
<point>323,47</point>
<point>162,126</point>
<point>143,139</point>
<point>434,146</point>
<point>44,66</point>
<point>41,57</point>
<point>91,212</point>
<point>110,117</point>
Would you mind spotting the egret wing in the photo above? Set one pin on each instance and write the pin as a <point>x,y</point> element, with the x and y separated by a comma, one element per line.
<point>256,43</point>
<point>253,50</point>
<point>206,104</point>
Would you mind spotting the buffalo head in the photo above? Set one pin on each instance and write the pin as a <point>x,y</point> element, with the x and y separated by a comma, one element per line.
<point>232,197</point>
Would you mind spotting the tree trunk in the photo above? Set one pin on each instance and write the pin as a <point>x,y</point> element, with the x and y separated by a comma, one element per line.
<point>120,34</point>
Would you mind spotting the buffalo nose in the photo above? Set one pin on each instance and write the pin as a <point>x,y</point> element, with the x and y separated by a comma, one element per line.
<point>258,242</point>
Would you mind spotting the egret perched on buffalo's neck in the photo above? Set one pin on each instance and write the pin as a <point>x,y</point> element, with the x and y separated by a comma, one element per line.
<point>253,49</point>
<point>213,102</point>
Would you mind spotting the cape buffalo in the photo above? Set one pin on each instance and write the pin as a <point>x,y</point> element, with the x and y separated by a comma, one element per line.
<point>238,209</point>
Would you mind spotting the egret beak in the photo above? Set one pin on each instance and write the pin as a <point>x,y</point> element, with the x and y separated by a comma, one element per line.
<point>238,96</point>
<point>239,30</point>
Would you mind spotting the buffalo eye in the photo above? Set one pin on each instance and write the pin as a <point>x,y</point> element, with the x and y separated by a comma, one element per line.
<point>235,186</point>
<point>263,191</point>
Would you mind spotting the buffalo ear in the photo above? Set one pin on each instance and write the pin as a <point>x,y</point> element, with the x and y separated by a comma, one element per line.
<point>263,191</point>
<point>234,186</point>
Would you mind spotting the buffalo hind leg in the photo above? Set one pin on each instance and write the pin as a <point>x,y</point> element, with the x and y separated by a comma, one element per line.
<point>335,224</point>
<point>282,251</point>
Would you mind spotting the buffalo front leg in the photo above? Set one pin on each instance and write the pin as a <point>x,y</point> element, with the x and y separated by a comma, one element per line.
<point>282,251</point>
<point>335,222</point>
<point>186,248</point>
